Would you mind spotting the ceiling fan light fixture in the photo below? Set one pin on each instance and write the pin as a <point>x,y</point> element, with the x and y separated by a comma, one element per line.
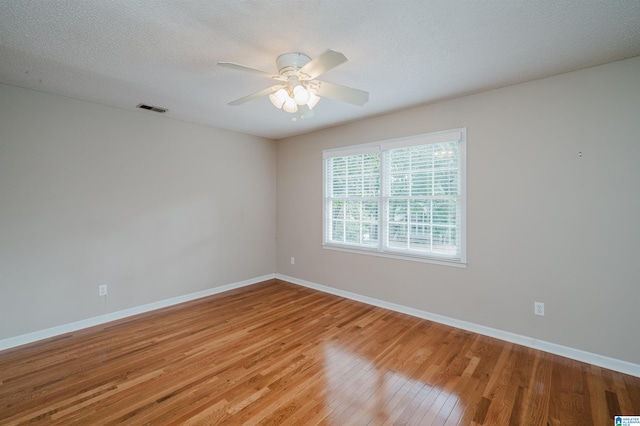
<point>278,98</point>
<point>313,99</point>
<point>301,95</point>
<point>290,105</point>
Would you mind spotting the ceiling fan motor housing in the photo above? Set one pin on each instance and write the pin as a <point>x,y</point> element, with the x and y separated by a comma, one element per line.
<point>289,63</point>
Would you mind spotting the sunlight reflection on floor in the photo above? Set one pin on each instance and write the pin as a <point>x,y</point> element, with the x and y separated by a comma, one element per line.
<point>361,393</point>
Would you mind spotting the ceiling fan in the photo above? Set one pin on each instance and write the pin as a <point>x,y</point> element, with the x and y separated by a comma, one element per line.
<point>298,90</point>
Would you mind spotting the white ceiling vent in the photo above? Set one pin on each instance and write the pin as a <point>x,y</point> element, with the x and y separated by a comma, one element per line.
<point>152,108</point>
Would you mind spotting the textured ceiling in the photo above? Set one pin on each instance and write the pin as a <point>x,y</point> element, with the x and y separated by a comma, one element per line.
<point>403,52</point>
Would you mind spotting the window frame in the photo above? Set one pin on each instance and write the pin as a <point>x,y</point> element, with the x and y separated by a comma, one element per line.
<point>382,248</point>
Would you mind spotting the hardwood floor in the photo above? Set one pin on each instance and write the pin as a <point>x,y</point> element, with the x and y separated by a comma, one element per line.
<point>276,353</point>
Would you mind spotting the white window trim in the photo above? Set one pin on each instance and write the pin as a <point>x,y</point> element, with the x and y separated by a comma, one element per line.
<point>459,134</point>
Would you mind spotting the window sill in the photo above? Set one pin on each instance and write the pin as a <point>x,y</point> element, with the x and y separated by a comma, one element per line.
<point>399,256</point>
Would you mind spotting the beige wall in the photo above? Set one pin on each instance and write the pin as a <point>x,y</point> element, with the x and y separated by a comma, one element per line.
<point>544,224</point>
<point>155,208</point>
<point>95,195</point>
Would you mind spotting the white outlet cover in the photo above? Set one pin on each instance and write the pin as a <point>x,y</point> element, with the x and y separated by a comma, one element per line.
<point>538,308</point>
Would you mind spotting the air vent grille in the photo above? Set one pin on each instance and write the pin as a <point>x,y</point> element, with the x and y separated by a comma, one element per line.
<point>152,108</point>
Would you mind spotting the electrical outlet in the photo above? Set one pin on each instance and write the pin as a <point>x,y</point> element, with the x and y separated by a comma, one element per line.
<point>102,290</point>
<point>293,260</point>
<point>538,308</point>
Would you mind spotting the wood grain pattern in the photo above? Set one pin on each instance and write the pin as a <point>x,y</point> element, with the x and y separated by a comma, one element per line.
<point>278,354</point>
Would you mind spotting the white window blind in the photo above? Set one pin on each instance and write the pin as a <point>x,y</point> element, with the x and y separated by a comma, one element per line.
<point>353,200</point>
<point>400,198</point>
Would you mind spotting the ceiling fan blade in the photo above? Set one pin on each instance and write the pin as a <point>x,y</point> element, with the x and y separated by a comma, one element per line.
<point>323,63</point>
<point>249,69</point>
<point>341,93</point>
<point>267,91</point>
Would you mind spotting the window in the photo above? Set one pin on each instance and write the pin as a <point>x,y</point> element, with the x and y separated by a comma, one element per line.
<point>399,198</point>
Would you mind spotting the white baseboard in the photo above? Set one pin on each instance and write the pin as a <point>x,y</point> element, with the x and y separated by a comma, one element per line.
<point>567,352</point>
<point>102,319</point>
<point>576,354</point>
